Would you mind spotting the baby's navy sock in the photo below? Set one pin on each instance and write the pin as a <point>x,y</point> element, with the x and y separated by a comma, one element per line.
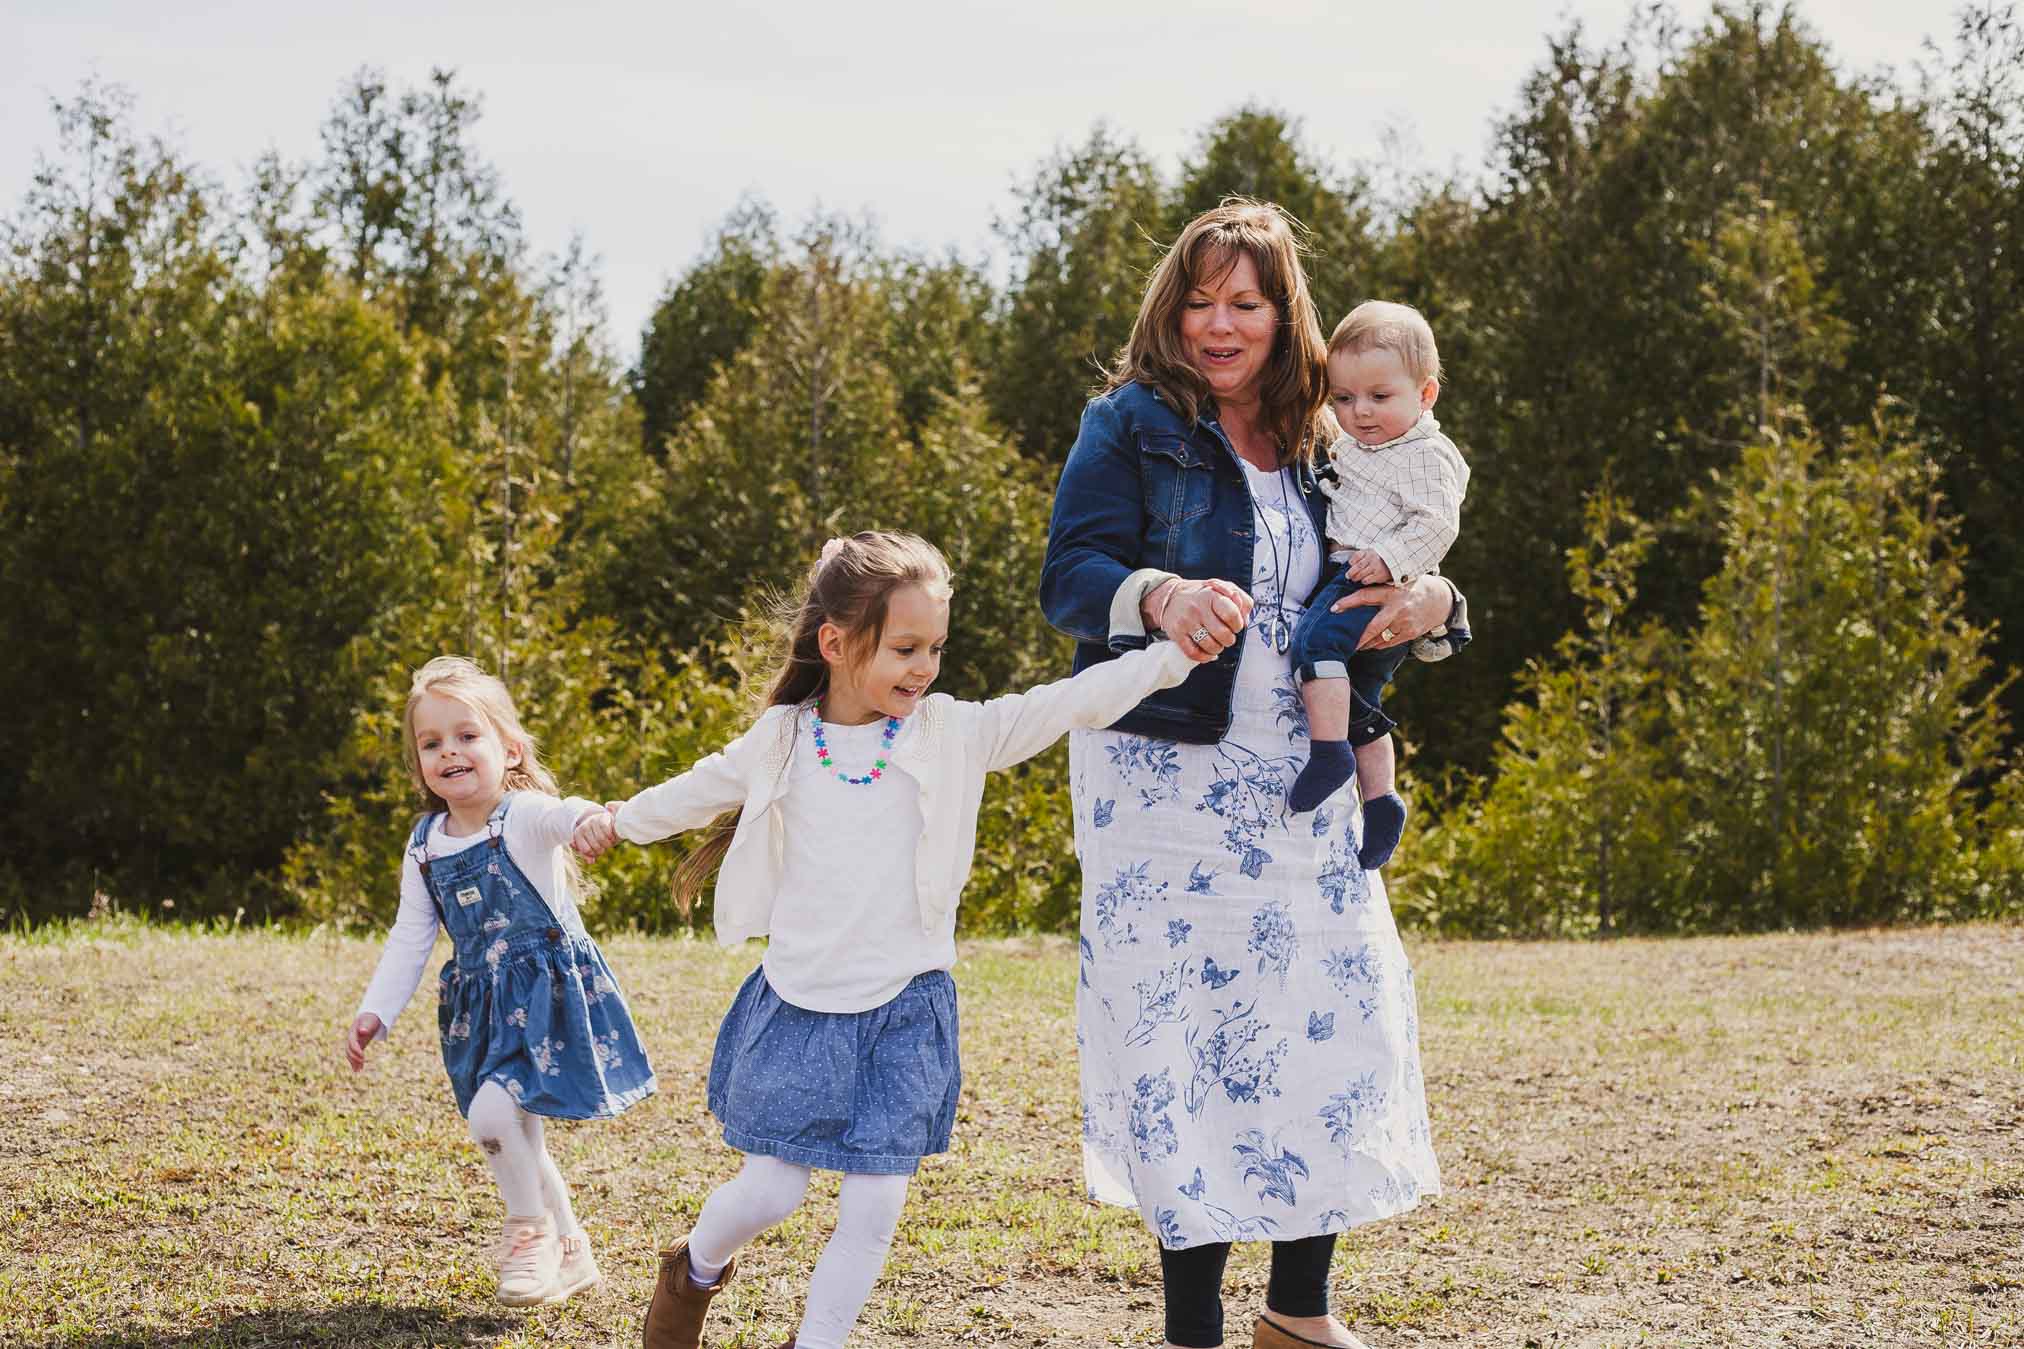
<point>1384,820</point>
<point>1329,764</point>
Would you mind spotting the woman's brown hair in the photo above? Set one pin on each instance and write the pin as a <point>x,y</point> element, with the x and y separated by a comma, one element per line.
<point>850,585</point>
<point>1294,385</point>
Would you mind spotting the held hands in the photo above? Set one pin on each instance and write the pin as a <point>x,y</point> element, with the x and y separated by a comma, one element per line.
<point>1367,567</point>
<point>364,1030</point>
<point>1202,617</point>
<point>596,832</point>
<point>1403,612</point>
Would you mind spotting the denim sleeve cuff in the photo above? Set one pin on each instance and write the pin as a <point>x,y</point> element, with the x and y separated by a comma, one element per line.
<point>1127,624</point>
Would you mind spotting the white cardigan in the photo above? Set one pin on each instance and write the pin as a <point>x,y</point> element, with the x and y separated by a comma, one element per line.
<point>950,746</point>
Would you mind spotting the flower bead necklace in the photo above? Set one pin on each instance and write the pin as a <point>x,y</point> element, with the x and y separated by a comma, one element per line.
<point>892,728</point>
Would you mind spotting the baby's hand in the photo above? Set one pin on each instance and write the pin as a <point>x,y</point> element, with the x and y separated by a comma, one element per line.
<point>362,1033</point>
<point>594,834</point>
<point>1368,567</point>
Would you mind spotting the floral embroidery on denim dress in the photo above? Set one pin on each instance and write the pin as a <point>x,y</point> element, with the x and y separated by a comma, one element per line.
<point>526,999</point>
<point>1248,1038</point>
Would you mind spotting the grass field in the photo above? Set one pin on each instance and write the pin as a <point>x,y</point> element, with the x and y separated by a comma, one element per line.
<point>1807,1140</point>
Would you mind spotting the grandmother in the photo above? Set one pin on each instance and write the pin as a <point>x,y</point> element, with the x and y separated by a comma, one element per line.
<point>1245,1012</point>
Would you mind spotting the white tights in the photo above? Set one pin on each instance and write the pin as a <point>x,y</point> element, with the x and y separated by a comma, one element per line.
<point>517,1152</point>
<point>762,1195</point>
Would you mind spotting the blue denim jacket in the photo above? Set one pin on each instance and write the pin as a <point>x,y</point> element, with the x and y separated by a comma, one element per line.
<point>1145,490</point>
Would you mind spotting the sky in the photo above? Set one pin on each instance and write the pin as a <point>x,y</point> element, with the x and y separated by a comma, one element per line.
<point>641,125</point>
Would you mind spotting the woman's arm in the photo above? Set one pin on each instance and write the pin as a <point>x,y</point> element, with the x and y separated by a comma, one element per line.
<point>1090,588</point>
<point>1095,535</point>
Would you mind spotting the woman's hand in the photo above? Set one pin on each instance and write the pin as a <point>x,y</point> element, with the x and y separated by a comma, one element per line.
<point>1202,617</point>
<point>363,1032</point>
<point>1403,612</point>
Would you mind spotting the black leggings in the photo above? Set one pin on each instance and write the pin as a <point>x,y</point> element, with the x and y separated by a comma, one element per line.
<point>1194,1283</point>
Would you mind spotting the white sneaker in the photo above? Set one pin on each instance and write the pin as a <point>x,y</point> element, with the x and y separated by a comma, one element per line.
<point>531,1263</point>
<point>578,1269</point>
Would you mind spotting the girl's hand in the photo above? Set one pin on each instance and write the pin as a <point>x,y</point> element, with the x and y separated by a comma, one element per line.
<point>1404,612</point>
<point>363,1032</point>
<point>1202,617</point>
<point>594,834</point>
<point>1367,567</point>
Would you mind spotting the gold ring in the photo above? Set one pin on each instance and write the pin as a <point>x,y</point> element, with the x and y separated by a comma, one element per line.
<point>1386,635</point>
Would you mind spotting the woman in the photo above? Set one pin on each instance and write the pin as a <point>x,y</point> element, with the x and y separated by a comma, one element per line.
<point>1245,1012</point>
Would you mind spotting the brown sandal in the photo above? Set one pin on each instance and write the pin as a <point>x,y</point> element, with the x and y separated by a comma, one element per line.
<point>675,1316</point>
<point>1269,1334</point>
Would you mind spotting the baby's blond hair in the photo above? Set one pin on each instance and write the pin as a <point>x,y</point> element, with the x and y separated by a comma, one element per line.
<point>1385,325</point>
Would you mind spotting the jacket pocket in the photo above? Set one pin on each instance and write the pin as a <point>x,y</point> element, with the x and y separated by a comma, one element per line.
<point>1179,482</point>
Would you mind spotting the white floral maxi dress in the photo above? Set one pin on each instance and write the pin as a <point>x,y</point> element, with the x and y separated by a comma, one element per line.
<point>1245,1015</point>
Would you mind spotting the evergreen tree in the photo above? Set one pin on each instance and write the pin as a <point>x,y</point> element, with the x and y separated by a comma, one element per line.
<point>1084,237</point>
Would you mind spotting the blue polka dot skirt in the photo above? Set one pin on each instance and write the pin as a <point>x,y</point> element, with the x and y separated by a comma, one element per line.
<point>868,1092</point>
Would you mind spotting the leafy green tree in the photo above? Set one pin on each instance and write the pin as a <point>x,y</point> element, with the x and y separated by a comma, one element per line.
<point>703,320</point>
<point>1837,707</point>
<point>1960,326</point>
<point>1084,235</point>
<point>1574,835</point>
<point>209,504</point>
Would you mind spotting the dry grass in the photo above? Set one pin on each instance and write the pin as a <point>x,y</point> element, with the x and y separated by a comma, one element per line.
<point>1813,1140</point>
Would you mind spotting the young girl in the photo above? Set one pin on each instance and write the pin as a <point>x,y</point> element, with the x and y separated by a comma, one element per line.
<point>857,796</point>
<point>532,1020</point>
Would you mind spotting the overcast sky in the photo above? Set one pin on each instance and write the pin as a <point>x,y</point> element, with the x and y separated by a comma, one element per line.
<point>641,124</point>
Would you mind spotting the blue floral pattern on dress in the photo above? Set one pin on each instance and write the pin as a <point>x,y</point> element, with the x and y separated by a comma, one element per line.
<point>1152,1129</point>
<point>1153,766</point>
<point>1274,939</point>
<point>1249,794</point>
<point>1225,1058</point>
<point>1124,898</point>
<point>1159,1003</point>
<point>1271,1164</point>
<point>1254,1076</point>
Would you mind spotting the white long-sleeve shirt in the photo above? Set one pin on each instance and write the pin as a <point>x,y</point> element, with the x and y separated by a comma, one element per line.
<point>946,749</point>
<point>537,829</point>
<point>1402,499</point>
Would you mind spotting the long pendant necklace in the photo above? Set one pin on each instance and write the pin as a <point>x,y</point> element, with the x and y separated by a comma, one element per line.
<point>1278,633</point>
<point>885,745</point>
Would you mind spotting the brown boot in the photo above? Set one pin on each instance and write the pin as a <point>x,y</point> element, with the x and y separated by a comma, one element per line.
<point>1269,1334</point>
<point>675,1316</point>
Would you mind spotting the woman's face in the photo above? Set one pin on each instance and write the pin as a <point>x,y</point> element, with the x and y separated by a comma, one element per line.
<point>1227,330</point>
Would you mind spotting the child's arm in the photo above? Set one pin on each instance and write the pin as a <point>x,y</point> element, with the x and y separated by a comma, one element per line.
<point>551,821</point>
<point>1430,497</point>
<point>1019,725</point>
<point>716,783</point>
<point>393,984</point>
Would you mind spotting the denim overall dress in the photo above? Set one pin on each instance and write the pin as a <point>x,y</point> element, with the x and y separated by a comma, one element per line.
<point>527,999</point>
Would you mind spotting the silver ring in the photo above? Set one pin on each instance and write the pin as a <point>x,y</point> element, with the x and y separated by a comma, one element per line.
<point>1385,635</point>
<point>1200,636</point>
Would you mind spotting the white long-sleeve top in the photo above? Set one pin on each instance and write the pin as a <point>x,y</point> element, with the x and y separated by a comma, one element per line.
<point>947,749</point>
<point>1402,499</point>
<point>537,829</point>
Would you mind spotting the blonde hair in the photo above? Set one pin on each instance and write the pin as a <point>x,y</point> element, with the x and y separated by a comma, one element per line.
<point>851,584</point>
<point>1386,325</point>
<point>463,679</point>
<point>1294,386</point>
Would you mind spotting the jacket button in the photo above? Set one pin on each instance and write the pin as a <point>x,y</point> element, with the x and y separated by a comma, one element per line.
<point>555,934</point>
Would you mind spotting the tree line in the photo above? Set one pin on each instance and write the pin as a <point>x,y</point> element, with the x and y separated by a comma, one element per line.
<point>1733,352</point>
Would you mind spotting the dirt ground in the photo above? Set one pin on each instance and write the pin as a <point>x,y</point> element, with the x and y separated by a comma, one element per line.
<point>1808,1140</point>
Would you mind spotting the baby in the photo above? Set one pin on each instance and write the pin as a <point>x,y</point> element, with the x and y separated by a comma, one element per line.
<point>1394,510</point>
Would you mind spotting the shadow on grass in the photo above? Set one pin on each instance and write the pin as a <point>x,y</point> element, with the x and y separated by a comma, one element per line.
<point>374,1326</point>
